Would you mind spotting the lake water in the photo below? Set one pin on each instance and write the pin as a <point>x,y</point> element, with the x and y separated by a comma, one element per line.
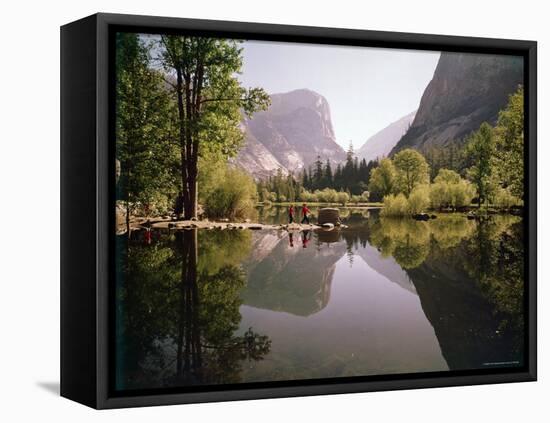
<point>384,296</point>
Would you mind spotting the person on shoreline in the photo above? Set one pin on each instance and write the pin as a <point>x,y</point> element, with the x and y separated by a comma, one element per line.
<point>291,214</point>
<point>305,212</point>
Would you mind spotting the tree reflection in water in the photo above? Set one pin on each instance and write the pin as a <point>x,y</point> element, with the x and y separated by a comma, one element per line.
<point>469,276</point>
<point>180,297</point>
<point>178,312</point>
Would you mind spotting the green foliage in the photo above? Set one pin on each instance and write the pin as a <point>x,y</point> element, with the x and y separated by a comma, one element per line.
<point>395,205</point>
<point>399,205</point>
<point>284,187</point>
<point>480,149</point>
<point>209,101</point>
<point>504,198</point>
<point>419,199</point>
<point>351,177</point>
<point>307,196</point>
<point>143,128</point>
<point>461,194</point>
<point>233,196</point>
<point>411,170</point>
<point>327,195</point>
<point>342,197</point>
<point>382,178</point>
<point>447,176</point>
<point>450,156</point>
<point>449,190</point>
<point>508,161</point>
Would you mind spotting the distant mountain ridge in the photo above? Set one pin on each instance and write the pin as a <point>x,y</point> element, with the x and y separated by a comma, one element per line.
<point>465,91</point>
<point>290,135</point>
<point>381,143</point>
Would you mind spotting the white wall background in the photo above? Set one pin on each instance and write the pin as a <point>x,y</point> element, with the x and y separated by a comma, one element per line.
<point>29,208</point>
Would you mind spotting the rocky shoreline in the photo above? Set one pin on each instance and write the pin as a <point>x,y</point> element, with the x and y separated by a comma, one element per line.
<point>167,223</point>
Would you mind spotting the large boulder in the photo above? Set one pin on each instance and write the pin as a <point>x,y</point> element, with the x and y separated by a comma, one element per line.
<point>328,215</point>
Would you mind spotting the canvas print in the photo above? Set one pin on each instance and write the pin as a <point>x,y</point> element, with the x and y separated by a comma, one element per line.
<point>289,212</point>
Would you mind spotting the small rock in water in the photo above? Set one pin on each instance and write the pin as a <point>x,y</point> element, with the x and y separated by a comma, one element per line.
<point>420,216</point>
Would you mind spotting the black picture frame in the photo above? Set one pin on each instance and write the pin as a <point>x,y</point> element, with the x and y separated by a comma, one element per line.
<point>87,218</point>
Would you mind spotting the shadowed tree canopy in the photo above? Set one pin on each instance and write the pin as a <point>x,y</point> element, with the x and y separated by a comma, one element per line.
<point>143,125</point>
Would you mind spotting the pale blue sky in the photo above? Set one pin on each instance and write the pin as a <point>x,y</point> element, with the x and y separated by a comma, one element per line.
<point>366,88</point>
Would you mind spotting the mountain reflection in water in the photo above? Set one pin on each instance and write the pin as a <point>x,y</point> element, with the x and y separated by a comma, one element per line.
<point>383,296</point>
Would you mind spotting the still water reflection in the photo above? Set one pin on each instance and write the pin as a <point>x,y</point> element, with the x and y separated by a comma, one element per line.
<point>380,297</point>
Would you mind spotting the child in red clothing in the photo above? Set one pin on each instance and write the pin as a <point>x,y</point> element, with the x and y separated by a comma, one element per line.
<point>305,212</point>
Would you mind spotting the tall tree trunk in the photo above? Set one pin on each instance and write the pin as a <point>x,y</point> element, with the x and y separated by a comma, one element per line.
<point>128,217</point>
<point>183,145</point>
<point>127,198</point>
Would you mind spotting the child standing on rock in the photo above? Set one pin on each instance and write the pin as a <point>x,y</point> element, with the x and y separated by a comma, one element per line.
<point>291,214</point>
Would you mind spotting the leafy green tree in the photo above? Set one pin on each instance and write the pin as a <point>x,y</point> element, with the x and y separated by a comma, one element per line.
<point>395,205</point>
<point>419,199</point>
<point>343,197</point>
<point>143,126</point>
<point>233,196</point>
<point>448,176</point>
<point>209,98</point>
<point>450,190</point>
<point>508,160</point>
<point>504,198</point>
<point>382,178</point>
<point>411,170</point>
<point>480,149</point>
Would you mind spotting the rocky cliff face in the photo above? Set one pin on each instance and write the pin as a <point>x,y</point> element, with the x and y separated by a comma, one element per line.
<point>289,135</point>
<point>466,90</point>
<point>381,143</point>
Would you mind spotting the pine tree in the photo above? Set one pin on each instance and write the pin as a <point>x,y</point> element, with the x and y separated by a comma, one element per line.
<point>318,173</point>
<point>328,177</point>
